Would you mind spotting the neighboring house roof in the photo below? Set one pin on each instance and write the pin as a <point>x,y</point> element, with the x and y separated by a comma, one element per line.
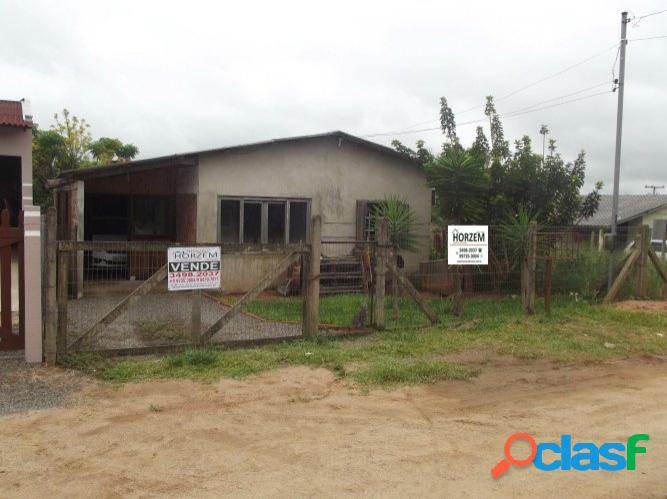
<point>11,114</point>
<point>630,206</point>
<point>191,158</point>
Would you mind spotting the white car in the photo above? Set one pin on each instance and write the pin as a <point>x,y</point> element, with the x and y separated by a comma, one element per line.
<point>109,259</point>
<point>656,246</point>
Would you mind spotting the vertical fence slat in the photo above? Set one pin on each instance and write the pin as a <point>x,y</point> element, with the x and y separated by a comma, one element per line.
<point>380,273</point>
<point>642,274</point>
<point>311,311</point>
<point>50,298</point>
<point>195,320</point>
<point>63,292</point>
<point>6,286</point>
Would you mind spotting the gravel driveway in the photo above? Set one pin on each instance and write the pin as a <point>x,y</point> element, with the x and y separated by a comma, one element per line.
<point>163,319</point>
<point>25,387</point>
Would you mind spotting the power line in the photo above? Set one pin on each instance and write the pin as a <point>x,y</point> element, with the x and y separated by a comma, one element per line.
<point>521,89</point>
<point>635,20</point>
<point>646,38</point>
<point>511,114</point>
<point>558,73</point>
<point>561,97</point>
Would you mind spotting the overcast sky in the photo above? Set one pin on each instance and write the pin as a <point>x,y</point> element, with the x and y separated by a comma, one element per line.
<point>179,76</point>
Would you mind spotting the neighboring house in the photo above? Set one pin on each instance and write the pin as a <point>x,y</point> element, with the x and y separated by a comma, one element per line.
<point>16,196</point>
<point>256,194</point>
<point>633,211</point>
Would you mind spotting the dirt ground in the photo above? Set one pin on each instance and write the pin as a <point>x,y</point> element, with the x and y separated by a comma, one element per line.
<point>302,432</point>
<point>643,305</point>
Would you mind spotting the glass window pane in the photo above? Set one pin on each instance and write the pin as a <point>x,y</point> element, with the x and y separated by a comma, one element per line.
<point>230,212</point>
<point>298,221</point>
<point>252,222</point>
<point>276,221</point>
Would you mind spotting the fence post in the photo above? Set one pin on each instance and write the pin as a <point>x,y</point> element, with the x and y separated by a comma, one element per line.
<point>311,313</point>
<point>547,285</point>
<point>50,302</point>
<point>528,270</point>
<point>395,314</point>
<point>601,240</point>
<point>63,292</point>
<point>195,320</point>
<point>380,273</point>
<point>642,277</point>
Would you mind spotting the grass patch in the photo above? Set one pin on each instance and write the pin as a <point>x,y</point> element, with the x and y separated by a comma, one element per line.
<point>171,329</point>
<point>393,373</point>
<point>576,332</point>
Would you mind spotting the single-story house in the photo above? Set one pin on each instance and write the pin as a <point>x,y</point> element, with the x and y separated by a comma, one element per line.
<point>634,210</point>
<point>257,194</point>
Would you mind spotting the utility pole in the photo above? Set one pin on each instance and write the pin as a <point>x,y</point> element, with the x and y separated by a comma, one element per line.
<point>617,152</point>
<point>654,187</point>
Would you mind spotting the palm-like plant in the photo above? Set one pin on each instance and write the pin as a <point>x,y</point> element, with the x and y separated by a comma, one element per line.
<point>401,222</point>
<point>460,183</point>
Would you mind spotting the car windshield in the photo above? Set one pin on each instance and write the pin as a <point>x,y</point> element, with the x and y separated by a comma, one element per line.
<point>656,245</point>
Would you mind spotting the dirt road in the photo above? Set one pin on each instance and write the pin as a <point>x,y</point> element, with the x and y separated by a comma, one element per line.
<point>302,432</point>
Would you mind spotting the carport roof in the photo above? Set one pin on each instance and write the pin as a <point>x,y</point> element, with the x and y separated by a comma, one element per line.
<point>191,158</point>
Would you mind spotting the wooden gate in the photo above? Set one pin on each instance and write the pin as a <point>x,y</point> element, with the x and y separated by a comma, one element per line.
<point>12,330</point>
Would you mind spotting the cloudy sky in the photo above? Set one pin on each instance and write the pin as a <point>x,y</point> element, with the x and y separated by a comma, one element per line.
<point>179,76</point>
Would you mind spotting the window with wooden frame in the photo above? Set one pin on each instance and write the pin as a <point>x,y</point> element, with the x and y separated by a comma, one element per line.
<point>248,220</point>
<point>365,226</point>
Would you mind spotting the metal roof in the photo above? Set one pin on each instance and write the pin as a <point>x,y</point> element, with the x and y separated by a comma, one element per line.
<point>630,206</point>
<point>191,158</point>
<point>11,114</point>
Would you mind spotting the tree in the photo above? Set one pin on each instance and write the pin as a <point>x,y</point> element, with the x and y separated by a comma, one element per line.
<point>460,185</point>
<point>488,182</point>
<point>77,140</point>
<point>68,145</point>
<point>106,150</point>
<point>48,153</point>
<point>544,131</point>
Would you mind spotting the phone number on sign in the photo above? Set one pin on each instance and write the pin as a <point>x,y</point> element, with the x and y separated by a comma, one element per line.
<point>185,275</point>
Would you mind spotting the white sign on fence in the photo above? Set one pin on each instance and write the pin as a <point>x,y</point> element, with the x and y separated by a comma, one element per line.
<point>193,268</point>
<point>468,245</point>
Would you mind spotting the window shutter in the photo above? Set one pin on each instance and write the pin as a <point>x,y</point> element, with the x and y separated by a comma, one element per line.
<point>659,229</point>
<point>361,215</point>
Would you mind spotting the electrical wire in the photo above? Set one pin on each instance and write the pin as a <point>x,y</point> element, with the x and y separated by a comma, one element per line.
<point>511,114</point>
<point>635,20</point>
<point>561,97</point>
<point>646,38</point>
<point>521,89</point>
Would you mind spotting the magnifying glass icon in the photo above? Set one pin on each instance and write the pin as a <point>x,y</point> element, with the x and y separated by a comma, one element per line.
<point>504,464</point>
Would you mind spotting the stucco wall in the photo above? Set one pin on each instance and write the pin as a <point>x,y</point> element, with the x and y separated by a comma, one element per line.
<point>635,224</point>
<point>18,142</point>
<point>332,174</point>
<point>660,214</point>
